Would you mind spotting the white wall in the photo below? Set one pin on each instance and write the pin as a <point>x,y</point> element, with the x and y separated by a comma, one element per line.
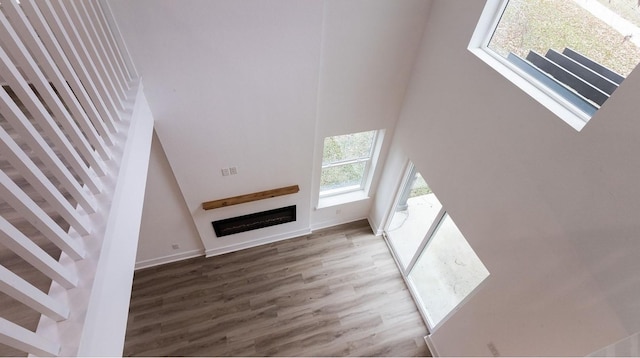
<point>231,83</point>
<point>368,51</point>
<point>165,218</point>
<point>551,212</point>
<point>258,85</point>
<point>389,187</point>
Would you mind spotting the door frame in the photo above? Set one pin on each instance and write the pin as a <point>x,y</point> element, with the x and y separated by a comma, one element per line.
<point>408,168</point>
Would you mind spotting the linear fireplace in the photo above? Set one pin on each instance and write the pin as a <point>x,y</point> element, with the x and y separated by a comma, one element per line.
<point>254,221</point>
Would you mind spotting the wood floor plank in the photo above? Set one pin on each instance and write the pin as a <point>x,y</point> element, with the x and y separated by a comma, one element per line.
<point>336,292</point>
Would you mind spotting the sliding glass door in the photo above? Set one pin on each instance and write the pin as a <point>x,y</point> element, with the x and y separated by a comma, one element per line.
<point>438,264</point>
<point>417,207</point>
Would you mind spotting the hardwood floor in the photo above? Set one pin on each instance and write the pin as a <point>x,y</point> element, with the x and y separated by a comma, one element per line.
<point>336,292</point>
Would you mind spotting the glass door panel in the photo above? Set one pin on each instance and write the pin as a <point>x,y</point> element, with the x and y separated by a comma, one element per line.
<point>446,272</point>
<point>414,214</point>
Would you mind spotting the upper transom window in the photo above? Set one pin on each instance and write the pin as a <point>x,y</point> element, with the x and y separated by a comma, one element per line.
<point>574,53</point>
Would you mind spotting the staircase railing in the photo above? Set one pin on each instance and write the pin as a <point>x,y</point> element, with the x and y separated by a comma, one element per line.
<point>75,138</point>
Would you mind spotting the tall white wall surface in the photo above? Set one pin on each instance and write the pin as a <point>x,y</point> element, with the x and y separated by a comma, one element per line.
<point>368,50</point>
<point>165,218</point>
<point>551,212</point>
<point>231,83</point>
<point>257,85</point>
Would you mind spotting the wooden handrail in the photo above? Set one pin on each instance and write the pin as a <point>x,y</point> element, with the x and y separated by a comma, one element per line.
<point>215,204</point>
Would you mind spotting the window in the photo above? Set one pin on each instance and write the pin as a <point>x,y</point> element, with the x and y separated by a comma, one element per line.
<point>417,206</point>
<point>568,55</point>
<point>441,268</point>
<point>346,162</point>
<point>446,273</point>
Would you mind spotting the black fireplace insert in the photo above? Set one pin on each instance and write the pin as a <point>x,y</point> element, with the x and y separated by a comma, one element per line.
<point>254,221</point>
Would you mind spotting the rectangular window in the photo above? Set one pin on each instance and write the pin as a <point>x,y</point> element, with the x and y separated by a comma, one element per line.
<point>440,266</point>
<point>346,161</point>
<point>573,54</point>
<point>446,272</point>
<point>416,209</point>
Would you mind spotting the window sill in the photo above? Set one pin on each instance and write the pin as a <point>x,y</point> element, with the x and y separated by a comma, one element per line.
<point>340,199</point>
<point>561,110</point>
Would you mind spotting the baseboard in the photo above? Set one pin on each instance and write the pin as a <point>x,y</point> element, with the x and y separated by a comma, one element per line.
<point>332,223</point>
<point>377,230</point>
<point>431,346</point>
<point>254,243</point>
<point>241,246</point>
<point>168,259</point>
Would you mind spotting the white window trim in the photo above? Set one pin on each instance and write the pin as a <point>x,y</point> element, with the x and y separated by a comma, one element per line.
<point>365,172</point>
<point>548,98</point>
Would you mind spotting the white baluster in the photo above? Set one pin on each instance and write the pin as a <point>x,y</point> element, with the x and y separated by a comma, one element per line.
<point>23,59</point>
<point>15,286</point>
<point>24,205</point>
<point>103,29</point>
<point>76,51</point>
<point>23,339</point>
<point>103,8</point>
<point>100,51</point>
<point>32,41</point>
<point>96,108</point>
<point>17,242</point>
<point>67,12</point>
<point>30,135</point>
<point>25,166</point>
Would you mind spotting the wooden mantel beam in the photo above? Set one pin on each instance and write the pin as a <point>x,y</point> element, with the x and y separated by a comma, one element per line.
<point>215,204</point>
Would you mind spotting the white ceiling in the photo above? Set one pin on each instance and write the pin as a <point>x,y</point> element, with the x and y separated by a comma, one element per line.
<point>258,84</point>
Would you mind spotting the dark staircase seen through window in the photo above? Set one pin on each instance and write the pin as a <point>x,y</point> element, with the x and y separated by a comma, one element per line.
<point>581,81</point>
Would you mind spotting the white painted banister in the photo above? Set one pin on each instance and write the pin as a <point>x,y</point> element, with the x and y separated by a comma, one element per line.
<point>101,331</point>
<point>31,40</point>
<point>34,140</point>
<point>79,97</point>
<point>84,30</point>
<point>75,140</point>
<point>17,242</point>
<point>76,53</point>
<point>24,205</point>
<point>37,79</point>
<point>82,43</point>
<point>116,40</point>
<point>20,338</point>
<point>100,51</point>
<point>16,287</point>
<point>104,331</point>
<point>96,14</point>
<point>21,88</point>
<point>28,169</point>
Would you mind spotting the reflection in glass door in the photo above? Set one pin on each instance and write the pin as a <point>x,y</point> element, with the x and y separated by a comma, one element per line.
<point>438,264</point>
<point>446,272</point>
<point>416,209</point>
